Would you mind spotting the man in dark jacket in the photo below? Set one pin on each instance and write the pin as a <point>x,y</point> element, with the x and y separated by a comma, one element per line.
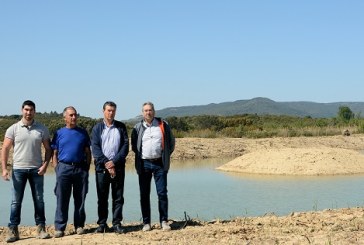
<point>153,143</point>
<point>110,146</point>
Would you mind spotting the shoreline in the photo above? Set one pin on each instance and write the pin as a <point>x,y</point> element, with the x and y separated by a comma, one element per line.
<point>330,226</point>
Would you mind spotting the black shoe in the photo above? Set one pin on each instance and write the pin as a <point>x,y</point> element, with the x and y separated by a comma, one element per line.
<point>102,228</point>
<point>119,229</point>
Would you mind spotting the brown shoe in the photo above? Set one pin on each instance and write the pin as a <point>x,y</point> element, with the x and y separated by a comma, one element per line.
<point>80,231</point>
<point>13,234</point>
<point>59,234</point>
<point>41,232</point>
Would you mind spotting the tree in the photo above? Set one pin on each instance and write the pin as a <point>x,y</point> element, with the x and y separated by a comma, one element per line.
<point>345,113</point>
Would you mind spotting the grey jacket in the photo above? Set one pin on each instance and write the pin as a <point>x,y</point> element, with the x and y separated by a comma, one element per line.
<point>136,144</point>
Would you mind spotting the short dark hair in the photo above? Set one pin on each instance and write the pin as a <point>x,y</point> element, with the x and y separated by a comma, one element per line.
<point>109,103</point>
<point>28,103</point>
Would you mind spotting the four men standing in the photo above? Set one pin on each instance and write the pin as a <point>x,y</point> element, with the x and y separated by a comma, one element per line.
<point>152,141</point>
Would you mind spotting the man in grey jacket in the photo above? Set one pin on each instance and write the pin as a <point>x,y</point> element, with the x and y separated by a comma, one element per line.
<point>153,143</point>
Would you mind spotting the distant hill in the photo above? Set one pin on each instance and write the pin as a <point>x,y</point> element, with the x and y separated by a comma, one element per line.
<point>263,106</point>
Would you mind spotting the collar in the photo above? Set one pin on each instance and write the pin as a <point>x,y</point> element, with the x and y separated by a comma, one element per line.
<point>112,125</point>
<point>22,124</point>
<point>153,123</point>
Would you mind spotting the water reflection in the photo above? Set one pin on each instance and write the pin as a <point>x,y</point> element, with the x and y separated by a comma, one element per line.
<point>195,187</point>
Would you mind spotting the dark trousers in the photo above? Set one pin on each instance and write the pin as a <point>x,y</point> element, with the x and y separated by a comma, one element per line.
<point>103,183</point>
<point>148,171</point>
<point>70,178</point>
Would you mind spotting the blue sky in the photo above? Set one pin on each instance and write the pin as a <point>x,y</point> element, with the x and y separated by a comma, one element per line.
<point>178,53</point>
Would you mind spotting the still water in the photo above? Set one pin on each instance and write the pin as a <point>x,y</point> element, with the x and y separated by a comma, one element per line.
<point>195,187</point>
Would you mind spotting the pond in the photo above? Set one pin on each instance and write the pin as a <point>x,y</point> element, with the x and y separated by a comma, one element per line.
<point>200,191</point>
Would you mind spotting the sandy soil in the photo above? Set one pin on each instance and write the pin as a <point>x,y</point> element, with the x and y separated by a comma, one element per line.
<point>299,161</point>
<point>341,226</point>
<point>303,155</point>
<point>193,148</point>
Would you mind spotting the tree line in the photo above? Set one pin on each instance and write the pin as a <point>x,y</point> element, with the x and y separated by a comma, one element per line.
<point>237,126</point>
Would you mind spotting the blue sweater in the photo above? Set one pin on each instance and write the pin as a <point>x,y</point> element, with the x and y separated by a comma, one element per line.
<point>71,143</point>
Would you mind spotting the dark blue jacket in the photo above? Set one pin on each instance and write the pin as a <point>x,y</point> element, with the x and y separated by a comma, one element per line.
<point>96,146</point>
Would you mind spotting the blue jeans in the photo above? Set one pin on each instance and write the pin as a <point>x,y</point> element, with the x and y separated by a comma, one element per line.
<point>160,178</point>
<point>70,179</point>
<point>36,181</point>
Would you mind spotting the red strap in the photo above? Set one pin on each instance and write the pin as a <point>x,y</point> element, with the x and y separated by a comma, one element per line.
<point>162,129</point>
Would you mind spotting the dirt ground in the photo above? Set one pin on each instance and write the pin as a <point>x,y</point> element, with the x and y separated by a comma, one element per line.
<point>341,226</point>
<point>338,226</point>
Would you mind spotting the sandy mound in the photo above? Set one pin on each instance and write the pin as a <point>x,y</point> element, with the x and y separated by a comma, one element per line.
<point>298,161</point>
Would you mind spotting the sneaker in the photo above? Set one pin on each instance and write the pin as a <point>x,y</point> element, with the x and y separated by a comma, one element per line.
<point>165,226</point>
<point>13,234</point>
<point>80,231</point>
<point>147,227</point>
<point>59,234</point>
<point>41,232</point>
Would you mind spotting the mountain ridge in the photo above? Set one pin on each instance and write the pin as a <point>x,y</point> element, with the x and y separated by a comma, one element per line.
<point>263,106</point>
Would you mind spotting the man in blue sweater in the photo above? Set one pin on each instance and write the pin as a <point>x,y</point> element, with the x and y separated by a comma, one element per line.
<point>71,158</point>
